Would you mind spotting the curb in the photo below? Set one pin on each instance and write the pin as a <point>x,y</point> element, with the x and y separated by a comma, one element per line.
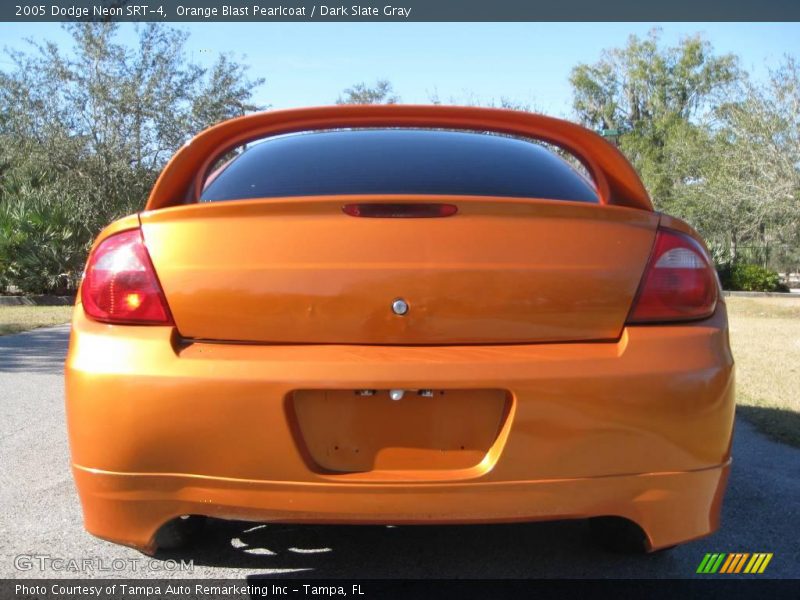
<point>37,300</point>
<point>762,294</point>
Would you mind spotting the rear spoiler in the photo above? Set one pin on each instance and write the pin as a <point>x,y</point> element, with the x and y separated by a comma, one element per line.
<point>182,179</point>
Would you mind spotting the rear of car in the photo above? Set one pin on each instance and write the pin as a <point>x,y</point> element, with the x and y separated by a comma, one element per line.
<point>402,315</point>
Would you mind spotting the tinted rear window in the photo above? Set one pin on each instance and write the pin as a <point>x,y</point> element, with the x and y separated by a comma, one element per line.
<point>398,161</point>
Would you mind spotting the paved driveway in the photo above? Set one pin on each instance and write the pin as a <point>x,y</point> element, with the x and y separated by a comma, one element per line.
<point>40,514</point>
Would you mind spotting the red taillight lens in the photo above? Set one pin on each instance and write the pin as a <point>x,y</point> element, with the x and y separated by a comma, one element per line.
<point>410,210</point>
<point>679,282</point>
<point>120,284</point>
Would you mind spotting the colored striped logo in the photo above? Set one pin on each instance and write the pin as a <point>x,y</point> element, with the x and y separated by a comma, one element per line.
<point>737,562</point>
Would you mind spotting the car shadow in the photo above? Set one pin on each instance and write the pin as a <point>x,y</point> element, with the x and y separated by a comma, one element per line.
<point>779,424</point>
<point>38,351</point>
<point>547,549</point>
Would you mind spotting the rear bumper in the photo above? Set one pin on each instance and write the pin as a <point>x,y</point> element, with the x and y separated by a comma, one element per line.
<point>639,428</point>
<point>670,507</point>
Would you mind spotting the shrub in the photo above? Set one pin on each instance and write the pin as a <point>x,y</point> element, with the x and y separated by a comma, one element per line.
<point>43,244</point>
<point>739,276</point>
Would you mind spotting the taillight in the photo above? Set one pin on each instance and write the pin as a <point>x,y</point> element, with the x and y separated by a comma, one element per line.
<point>120,284</point>
<point>394,210</point>
<point>679,282</point>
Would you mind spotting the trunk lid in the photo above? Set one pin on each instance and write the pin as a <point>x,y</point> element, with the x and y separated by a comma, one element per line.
<point>299,270</point>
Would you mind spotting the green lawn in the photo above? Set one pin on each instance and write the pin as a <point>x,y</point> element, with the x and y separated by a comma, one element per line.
<point>765,337</point>
<point>14,319</point>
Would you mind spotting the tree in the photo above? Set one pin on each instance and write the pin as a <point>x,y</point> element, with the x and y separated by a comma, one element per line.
<point>653,96</point>
<point>469,98</point>
<point>360,93</point>
<point>748,192</point>
<point>84,133</point>
<point>711,146</point>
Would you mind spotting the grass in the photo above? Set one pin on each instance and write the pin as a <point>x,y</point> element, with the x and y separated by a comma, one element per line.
<point>765,338</point>
<point>14,319</point>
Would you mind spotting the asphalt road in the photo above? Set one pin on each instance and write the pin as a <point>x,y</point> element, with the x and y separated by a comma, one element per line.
<point>40,516</point>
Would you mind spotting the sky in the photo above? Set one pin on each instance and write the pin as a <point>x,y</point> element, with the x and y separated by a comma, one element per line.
<point>307,64</point>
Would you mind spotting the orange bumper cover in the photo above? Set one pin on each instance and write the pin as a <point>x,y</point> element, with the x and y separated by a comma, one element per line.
<point>639,428</point>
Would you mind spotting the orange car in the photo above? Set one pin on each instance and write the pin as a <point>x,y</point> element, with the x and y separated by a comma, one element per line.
<point>405,315</point>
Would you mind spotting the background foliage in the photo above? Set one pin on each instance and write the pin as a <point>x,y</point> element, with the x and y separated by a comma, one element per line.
<point>711,146</point>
